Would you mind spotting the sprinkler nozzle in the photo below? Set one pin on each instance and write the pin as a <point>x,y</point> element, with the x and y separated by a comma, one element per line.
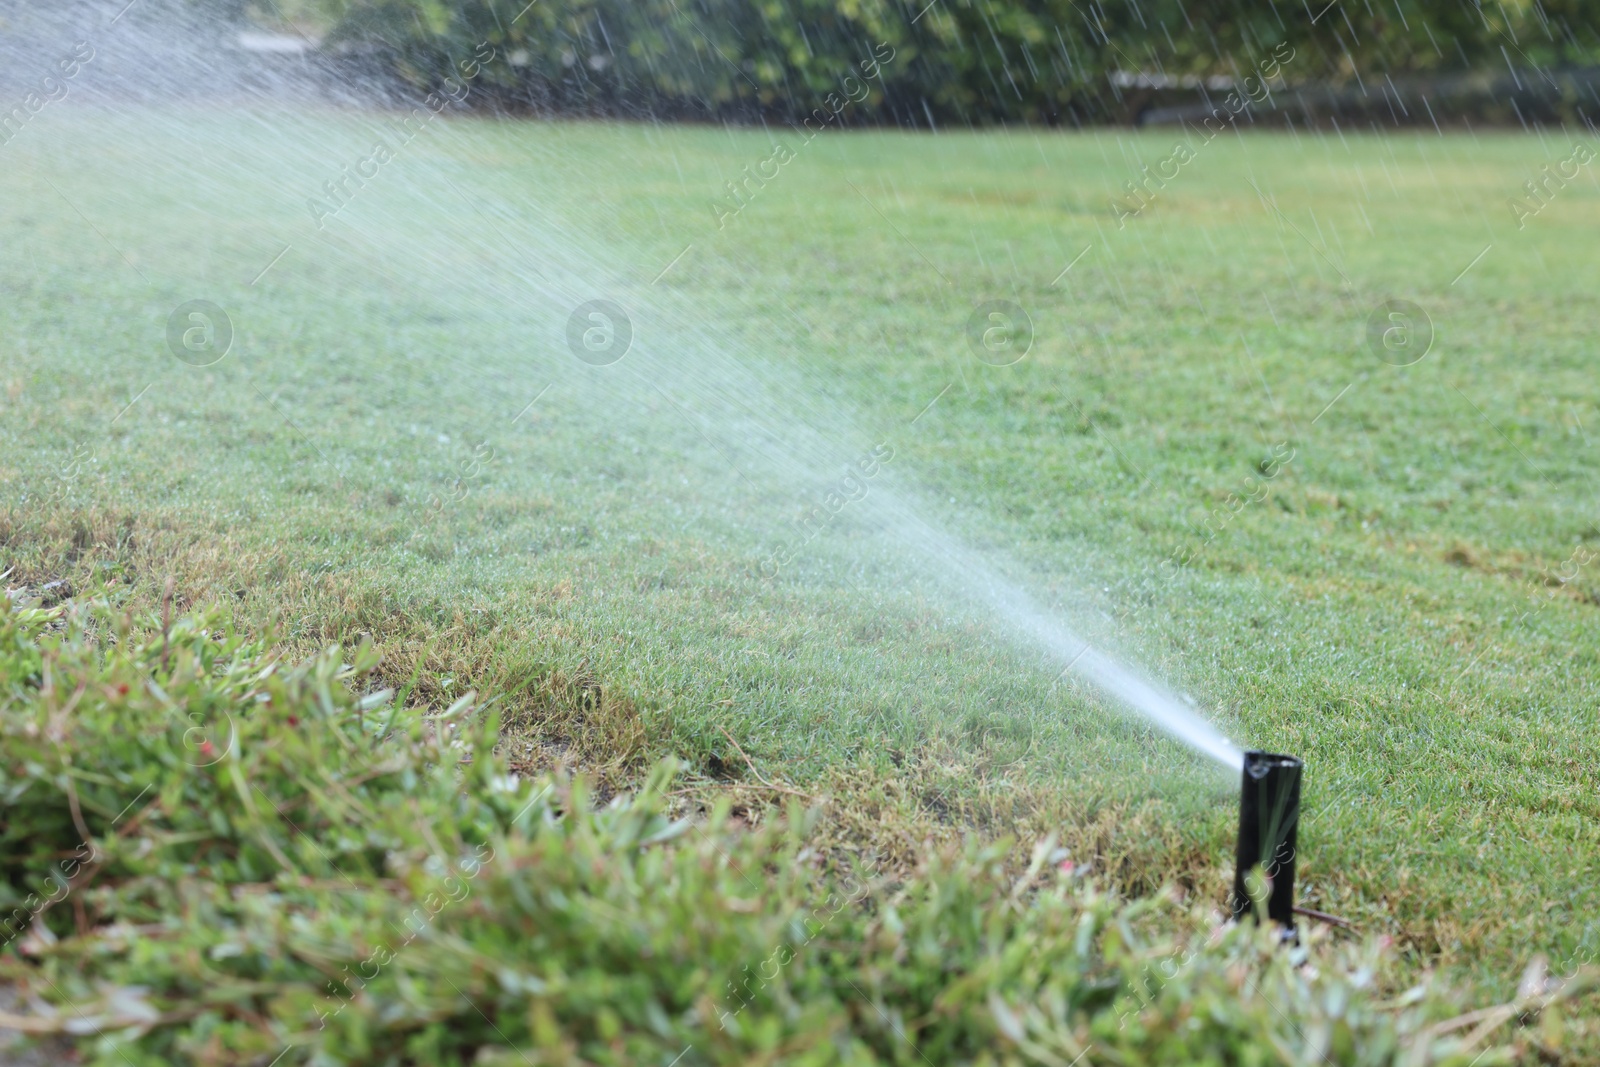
<point>1269,814</point>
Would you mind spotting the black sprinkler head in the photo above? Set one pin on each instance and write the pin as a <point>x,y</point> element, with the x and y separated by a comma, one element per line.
<point>1269,814</point>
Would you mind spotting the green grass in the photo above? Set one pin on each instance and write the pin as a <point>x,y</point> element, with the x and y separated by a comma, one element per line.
<point>308,877</point>
<point>601,569</point>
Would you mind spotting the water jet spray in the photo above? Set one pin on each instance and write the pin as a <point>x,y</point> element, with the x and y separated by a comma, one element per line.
<point>1269,815</point>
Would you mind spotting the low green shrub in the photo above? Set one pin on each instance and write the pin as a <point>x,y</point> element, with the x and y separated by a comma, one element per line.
<point>208,855</point>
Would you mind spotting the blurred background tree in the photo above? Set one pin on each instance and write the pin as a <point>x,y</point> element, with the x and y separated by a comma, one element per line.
<point>954,61</point>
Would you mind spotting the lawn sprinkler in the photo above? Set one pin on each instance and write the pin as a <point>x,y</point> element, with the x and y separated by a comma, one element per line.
<point>1269,814</point>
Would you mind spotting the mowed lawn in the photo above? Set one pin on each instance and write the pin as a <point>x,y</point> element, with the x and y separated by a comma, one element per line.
<point>399,443</point>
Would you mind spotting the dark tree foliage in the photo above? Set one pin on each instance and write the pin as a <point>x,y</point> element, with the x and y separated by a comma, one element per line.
<point>948,61</point>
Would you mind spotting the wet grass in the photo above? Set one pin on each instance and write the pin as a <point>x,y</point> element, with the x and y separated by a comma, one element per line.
<point>1407,603</point>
